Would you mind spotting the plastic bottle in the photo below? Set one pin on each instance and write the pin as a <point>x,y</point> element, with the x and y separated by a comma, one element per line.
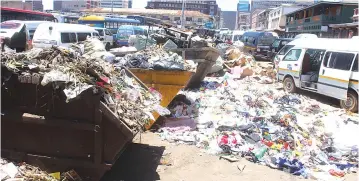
<point>259,153</point>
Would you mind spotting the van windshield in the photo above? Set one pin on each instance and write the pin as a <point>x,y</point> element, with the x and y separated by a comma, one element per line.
<point>266,40</point>
<point>124,34</point>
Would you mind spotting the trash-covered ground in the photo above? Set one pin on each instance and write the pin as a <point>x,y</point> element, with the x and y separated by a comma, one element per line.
<point>246,118</point>
<point>158,159</point>
<point>11,171</point>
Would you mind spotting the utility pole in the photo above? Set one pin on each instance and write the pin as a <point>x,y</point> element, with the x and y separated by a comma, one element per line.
<point>112,7</point>
<point>183,16</point>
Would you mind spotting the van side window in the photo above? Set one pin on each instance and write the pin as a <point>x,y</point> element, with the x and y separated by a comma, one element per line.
<point>355,65</point>
<point>68,37</point>
<point>293,55</point>
<point>83,36</point>
<point>338,60</point>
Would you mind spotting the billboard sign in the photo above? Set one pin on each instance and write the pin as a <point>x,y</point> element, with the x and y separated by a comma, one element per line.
<point>243,7</point>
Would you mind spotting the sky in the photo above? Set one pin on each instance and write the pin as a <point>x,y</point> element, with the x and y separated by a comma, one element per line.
<point>225,5</point>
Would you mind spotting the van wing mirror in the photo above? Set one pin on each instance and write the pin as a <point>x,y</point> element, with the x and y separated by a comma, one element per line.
<point>102,39</point>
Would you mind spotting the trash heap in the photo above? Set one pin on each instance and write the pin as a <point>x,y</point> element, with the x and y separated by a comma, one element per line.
<point>23,171</point>
<point>246,118</point>
<point>157,59</point>
<point>83,67</point>
<point>242,64</point>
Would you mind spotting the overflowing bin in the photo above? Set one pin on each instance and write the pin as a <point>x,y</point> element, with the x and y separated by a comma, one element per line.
<point>170,82</point>
<point>43,129</point>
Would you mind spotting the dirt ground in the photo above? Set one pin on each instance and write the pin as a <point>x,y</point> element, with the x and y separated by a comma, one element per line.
<point>141,161</point>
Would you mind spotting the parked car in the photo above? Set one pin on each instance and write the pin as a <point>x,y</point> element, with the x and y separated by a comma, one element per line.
<point>258,43</point>
<point>106,37</point>
<point>277,45</point>
<point>61,34</point>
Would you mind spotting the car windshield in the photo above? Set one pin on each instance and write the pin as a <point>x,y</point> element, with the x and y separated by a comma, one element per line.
<point>9,25</point>
<point>276,44</point>
<point>266,40</point>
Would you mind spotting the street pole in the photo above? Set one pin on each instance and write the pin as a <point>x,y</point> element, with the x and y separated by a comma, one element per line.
<point>112,7</point>
<point>183,17</point>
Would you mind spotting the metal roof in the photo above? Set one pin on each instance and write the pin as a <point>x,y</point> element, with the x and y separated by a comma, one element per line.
<point>147,12</point>
<point>323,2</point>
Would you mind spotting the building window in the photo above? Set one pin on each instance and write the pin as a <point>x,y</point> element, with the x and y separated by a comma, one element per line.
<point>177,18</point>
<point>188,18</point>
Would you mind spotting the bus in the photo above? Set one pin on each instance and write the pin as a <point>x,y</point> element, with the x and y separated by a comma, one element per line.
<point>25,15</point>
<point>66,18</point>
<point>109,23</point>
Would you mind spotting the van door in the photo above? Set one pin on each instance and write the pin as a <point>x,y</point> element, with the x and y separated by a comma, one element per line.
<point>291,65</point>
<point>334,74</point>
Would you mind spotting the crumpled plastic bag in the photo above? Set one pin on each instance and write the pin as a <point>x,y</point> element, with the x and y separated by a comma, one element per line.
<point>56,75</point>
<point>169,45</point>
<point>217,66</point>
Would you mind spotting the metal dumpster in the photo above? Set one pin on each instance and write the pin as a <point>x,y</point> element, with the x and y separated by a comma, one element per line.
<point>169,82</point>
<point>41,128</point>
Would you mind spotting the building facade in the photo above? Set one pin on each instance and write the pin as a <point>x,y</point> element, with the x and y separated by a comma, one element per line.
<point>114,3</point>
<point>229,19</point>
<point>243,17</point>
<point>261,4</point>
<point>192,18</point>
<point>66,6</point>
<point>209,7</point>
<point>262,20</point>
<point>254,18</point>
<point>16,4</point>
<point>36,5</point>
<point>277,18</point>
<point>316,19</point>
<point>346,30</point>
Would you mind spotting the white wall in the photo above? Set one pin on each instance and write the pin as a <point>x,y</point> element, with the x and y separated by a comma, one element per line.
<point>277,16</point>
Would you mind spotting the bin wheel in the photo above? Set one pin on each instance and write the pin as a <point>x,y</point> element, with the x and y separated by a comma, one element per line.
<point>351,103</point>
<point>108,46</point>
<point>289,85</point>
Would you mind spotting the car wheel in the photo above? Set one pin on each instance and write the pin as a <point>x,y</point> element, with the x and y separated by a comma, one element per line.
<point>108,46</point>
<point>289,85</point>
<point>351,103</point>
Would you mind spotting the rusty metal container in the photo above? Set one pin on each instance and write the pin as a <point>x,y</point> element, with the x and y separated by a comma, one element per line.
<point>40,127</point>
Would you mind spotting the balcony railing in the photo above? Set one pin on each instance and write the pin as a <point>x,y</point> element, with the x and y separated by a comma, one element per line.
<point>315,19</point>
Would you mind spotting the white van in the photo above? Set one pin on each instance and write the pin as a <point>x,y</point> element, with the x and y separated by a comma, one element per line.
<point>321,66</point>
<point>237,35</point>
<point>106,37</point>
<point>61,34</point>
<point>305,35</point>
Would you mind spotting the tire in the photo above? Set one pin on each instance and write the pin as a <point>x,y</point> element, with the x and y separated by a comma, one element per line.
<point>289,85</point>
<point>351,104</point>
<point>108,46</point>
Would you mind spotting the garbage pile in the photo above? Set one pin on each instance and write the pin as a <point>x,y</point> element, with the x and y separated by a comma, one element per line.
<point>157,59</point>
<point>242,64</point>
<point>245,118</point>
<point>23,171</point>
<point>83,67</point>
